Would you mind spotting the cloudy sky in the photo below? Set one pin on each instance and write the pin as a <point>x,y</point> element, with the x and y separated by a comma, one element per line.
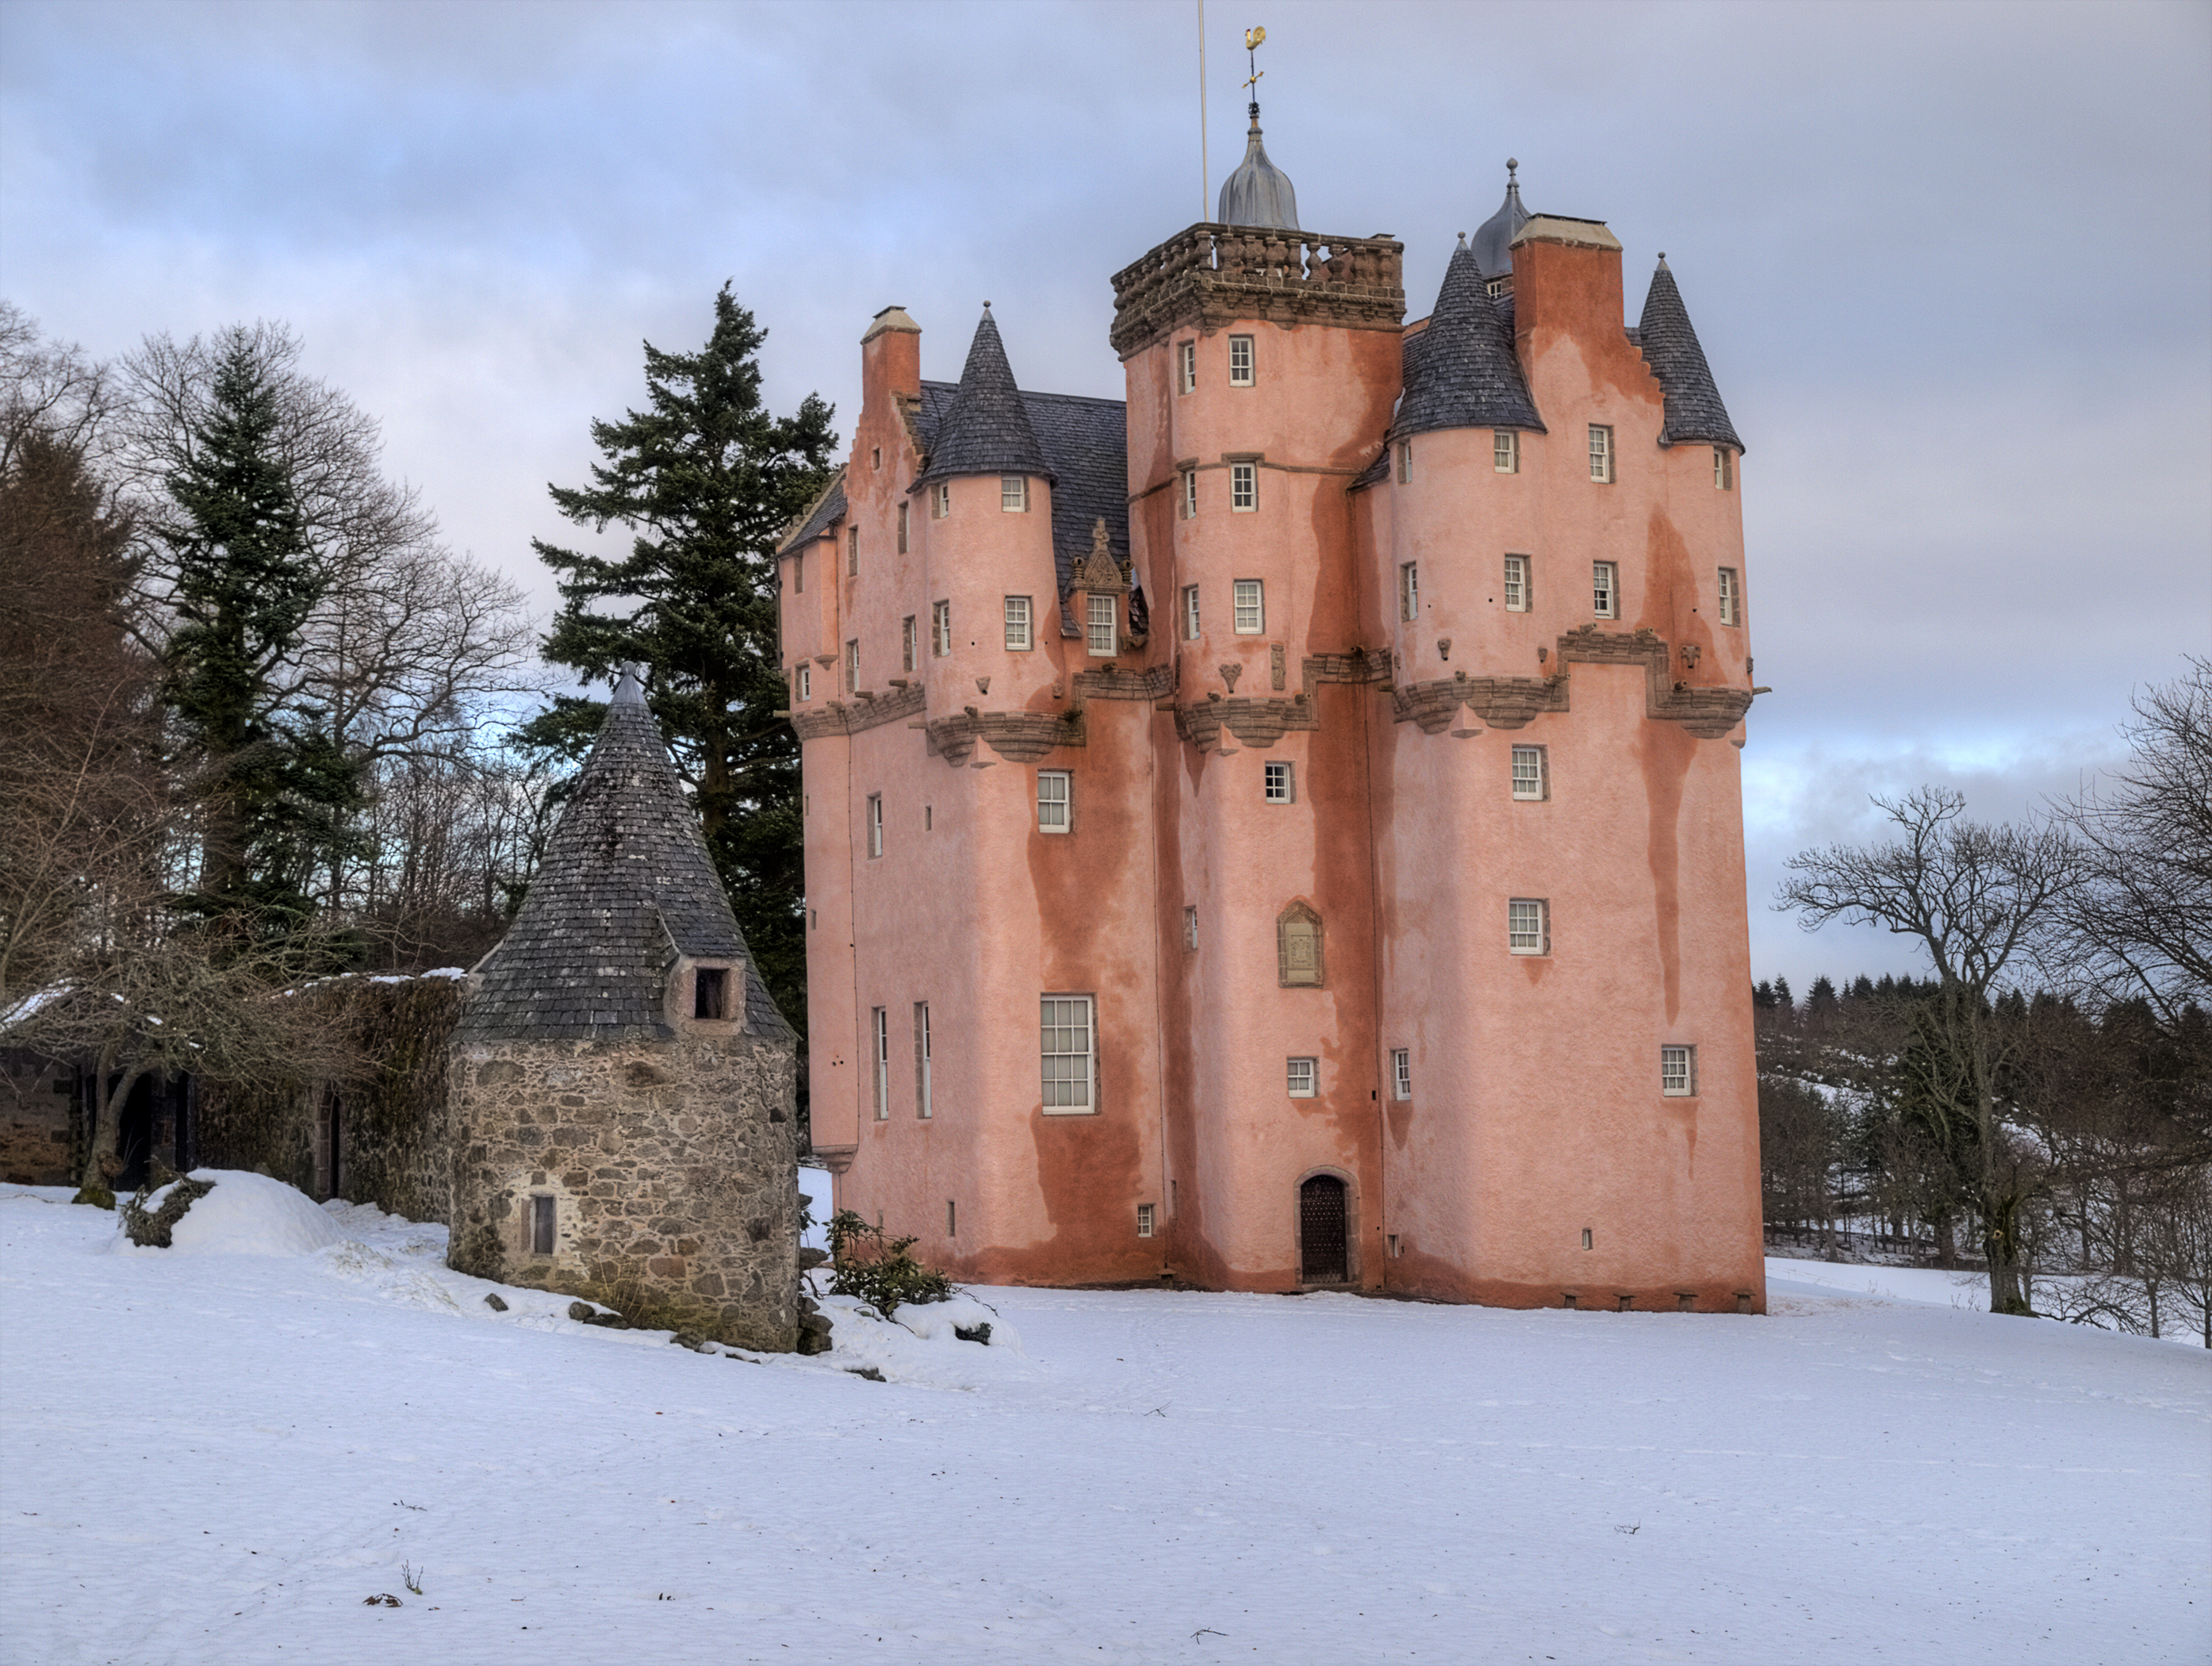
<point>1949,264</point>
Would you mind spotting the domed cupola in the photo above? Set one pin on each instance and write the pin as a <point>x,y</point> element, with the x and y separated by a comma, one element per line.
<point>1493,242</point>
<point>1258,193</point>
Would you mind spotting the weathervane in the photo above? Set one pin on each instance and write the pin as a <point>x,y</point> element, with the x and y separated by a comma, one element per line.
<point>1254,39</point>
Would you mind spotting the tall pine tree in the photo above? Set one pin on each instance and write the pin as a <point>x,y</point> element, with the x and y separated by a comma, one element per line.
<point>707,480</point>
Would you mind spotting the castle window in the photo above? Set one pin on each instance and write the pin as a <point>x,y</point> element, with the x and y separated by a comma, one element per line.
<point>902,527</point>
<point>1098,631</point>
<point>1068,1051</point>
<point>1186,367</point>
<point>1724,469</point>
<point>1517,584</point>
<point>1251,608</point>
<point>940,628</point>
<point>1505,451</point>
<point>1303,1077</point>
<point>876,458</point>
<point>1240,362</point>
<point>906,642</point>
<point>1280,783</point>
<point>1190,493</point>
<point>875,824</point>
<point>1014,493</point>
<point>806,682</point>
<point>1017,622</point>
<point>1678,1072</point>
<point>1529,772</point>
<point>852,551</point>
<point>1190,926</point>
<point>941,501</point>
<point>798,573</point>
<point>1144,1214</point>
<point>1528,926</point>
<point>1054,791</point>
<point>1190,612</point>
<point>710,992</point>
<point>543,1217</point>
<point>1405,462</point>
<point>879,1052</point>
<point>1605,590</point>
<point>1731,598</point>
<point>1601,454</point>
<point>922,1105</point>
<point>1297,947</point>
<point>853,666</point>
<point>1401,1072</point>
<point>1589,1243</point>
<point>1243,487</point>
<point>1409,591</point>
<point>952,1220</point>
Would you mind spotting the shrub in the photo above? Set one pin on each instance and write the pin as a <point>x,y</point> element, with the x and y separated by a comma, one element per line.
<point>877,1270</point>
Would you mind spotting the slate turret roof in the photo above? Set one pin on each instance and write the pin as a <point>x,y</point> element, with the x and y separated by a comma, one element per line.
<point>1493,238</point>
<point>1258,193</point>
<point>985,429</point>
<point>1462,371</point>
<point>625,887</point>
<point>1694,410</point>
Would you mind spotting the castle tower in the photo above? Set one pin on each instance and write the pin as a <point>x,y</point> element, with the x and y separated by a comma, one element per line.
<point>621,1082</point>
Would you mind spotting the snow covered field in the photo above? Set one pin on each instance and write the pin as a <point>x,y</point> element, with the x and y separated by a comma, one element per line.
<point>216,1457</point>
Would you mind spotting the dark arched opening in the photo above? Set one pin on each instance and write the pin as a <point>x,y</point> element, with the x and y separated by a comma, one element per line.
<point>1322,1230</point>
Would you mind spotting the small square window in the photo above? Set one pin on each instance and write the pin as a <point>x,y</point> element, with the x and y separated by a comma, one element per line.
<point>1186,367</point>
<point>1517,584</point>
<point>1303,1077</point>
<point>852,551</point>
<point>1240,362</point>
<point>1409,592</point>
<point>1505,451</point>
<point>1528,926</point>
<point>544,1214</point>
<point>1145,1218</point>
<point>1190,926</point>
<point>1190,613</point>
<point>941,501</point>
<point>806,682</point>
<point>879,1048</point>
<point>1724,469</point>
<point>1529,772</point>
<point>906,634</point>
<point>1678,1072</point>
<point>1014,493</point>
<point>1099,632</point>
<point>1401,1072</point>
<point>902,527</point>
<point>1243,487</point>
<point>1605,590</point>
<point>1017,623</point>
<point>1601,454</point>
<point>853,666</point>
<point>1251,608</point>
<point>940,628</point>
<point>1189,494</point>
<point>1731,597</point>
<point>1068,1051</point>
<point>1279,782</point>
<point>1054,789</point>
<point>1405,462</point>
<point>875,824</point>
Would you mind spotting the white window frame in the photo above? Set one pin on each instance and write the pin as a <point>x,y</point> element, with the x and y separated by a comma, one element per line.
<point>1244,489</point>
<point>1601,454</point>
<point>1186,367</point>
<point>1401,1072</point>
<point>1190,494</point>
<point>1190,613</point>
<point>852,665</point>
<point>1020,638</point>
<point>1534,781</point>
<point>1278,781</point>
<point>940,628</point>
<point>1102,622</point>
<point>1517,589</point>
<point>1302,1078</point>
<point>908,631</point>
<point>940,500</point>
<point>1148,1216</point>
<point>924,1093</point>
<point>1731,605</point>
<point>1405,462</point>
<point>1071,1089</point>
<point>1190,926</point>
<point>875,822</point>
<point>1248,599</point>
<point>1724,469</point>
<point>1243,361</point>
<point>1678,1072</point>
<point>1014,494</point>
<point>1505,451</point>
<point>880,1047</point>
<point>806,682</point>
<point>1528,926</point>
<point>1409,591</point>
<point>1055,802</point>
<point>1604,589</point>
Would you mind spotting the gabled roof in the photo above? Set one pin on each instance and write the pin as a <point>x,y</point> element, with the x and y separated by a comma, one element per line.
<point>986,428</point>
<point>625,887</point>
<point>1694,410</point>
<point>1462,371</point>
<point>825,512</point>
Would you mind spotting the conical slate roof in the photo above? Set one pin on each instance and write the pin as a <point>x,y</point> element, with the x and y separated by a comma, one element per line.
<point>1462,370</point>
<point>1258,193</point>
<point>1694,410</point>
<point>625,887</point>
<point>985,430</point>
<point>1493,238</point>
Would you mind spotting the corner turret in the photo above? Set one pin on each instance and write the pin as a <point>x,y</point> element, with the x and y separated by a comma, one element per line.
<point>1694,410</point>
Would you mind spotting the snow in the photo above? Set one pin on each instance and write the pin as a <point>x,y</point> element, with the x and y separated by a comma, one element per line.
<point>246,1214</point>
<point>217,1457</point>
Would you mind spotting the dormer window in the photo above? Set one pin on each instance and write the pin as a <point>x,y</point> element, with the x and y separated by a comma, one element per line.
<point>710,992</point>
<point>1099,628</point>
<point>1014,493</point>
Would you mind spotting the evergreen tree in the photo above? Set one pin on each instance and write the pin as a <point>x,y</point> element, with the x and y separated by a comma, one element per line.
<point>708,481</point>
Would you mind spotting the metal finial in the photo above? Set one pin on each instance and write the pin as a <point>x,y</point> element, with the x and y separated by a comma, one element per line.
<point>1512,164</point>
<point>987,306</point>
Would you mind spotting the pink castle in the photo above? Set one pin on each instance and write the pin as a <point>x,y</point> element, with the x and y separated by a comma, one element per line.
<point>1286,830</point>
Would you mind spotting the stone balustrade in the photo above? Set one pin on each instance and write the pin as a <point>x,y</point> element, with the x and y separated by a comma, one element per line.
<point>1209,274</point>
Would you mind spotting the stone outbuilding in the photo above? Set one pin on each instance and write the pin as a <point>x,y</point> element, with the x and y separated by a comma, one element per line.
<point>622,1085</point>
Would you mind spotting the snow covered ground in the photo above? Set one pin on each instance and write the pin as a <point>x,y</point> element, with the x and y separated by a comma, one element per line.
<point>216,1456</point>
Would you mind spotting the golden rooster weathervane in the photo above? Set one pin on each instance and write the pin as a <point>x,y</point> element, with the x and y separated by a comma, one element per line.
<point>1254,39</point>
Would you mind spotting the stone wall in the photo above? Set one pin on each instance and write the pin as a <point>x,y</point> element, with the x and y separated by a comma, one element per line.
<point>674,1167</point>
<point>38,1123</point>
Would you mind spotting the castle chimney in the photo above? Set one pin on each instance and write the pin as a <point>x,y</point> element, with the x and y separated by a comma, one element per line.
<point>1566,281</point>
<point>890,358</point>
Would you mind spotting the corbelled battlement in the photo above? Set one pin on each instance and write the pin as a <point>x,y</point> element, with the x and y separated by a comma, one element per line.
<point>1211,274</point>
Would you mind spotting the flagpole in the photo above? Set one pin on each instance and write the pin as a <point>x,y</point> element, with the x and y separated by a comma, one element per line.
<point>1204,172</point>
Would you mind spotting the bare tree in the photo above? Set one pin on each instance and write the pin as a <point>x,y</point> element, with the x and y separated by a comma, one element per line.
<point>1975,898</point>
<point>48,389</point>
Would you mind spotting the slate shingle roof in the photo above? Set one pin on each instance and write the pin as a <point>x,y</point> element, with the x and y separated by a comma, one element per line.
<point>1462,371</point>
<point>626,884</point>
<point>1694,410</point>
<point>829,509</point>
<point>986,428</point>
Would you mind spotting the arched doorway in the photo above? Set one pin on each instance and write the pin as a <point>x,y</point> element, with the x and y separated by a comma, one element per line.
<point>1323,1220</point>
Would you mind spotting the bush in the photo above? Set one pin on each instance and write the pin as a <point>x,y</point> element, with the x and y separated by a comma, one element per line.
<point>149,1229</point>
<point>872,1269</point>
